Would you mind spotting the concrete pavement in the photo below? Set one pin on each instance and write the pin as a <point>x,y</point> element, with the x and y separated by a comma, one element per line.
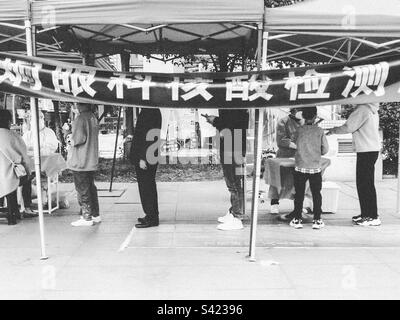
<point>188,258</point>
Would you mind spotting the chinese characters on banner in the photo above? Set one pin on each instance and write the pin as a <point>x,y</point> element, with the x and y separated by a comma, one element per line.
<point>373,81</point>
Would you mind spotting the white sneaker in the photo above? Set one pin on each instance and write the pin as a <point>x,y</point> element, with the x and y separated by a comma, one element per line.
<point>82,223</point>
<point>296,223</point>
<point>369,222</point>
<point>318,224</point>
<point>96,219</point>
<point>226,218</point>
<point>275,209</point>
<point>233,224</point>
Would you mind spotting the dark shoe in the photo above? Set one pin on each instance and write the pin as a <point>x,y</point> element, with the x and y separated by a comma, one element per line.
<point>12,220</point>
<point>147,224</point>
<point>286,217</point>
<point>30,214</point>
<point>142,220</point>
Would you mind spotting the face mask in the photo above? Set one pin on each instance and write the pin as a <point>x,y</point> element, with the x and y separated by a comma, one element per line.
<point>299,115</point>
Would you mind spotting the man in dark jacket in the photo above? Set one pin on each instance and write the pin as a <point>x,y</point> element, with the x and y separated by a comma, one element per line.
<point>232,126</point>
<point>144,156</point>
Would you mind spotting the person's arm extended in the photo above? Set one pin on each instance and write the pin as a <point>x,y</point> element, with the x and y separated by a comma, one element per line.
<point>353,123</point>
<point>324,144</point>
<point>79,132</point>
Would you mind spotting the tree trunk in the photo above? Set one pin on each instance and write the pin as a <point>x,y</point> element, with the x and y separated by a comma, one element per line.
<point>58,126</point>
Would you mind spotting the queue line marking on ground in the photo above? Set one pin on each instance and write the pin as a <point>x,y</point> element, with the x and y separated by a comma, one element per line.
<point>127,240</point>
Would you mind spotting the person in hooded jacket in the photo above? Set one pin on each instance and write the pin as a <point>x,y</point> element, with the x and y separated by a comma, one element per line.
<point>363,123</point>
<point>83,161</point>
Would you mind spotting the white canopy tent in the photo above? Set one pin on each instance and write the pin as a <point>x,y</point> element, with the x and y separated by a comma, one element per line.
<point>314,31</point>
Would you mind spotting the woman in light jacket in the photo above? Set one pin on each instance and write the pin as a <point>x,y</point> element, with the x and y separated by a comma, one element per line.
<point>363,123</point>
<point>12,148</point>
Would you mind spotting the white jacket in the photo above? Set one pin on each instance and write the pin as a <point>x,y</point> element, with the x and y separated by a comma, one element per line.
<point>363,123</point>
<point>48,141</point>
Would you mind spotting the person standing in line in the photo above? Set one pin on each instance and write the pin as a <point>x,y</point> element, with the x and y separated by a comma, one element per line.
<point>232,126</point>
<point>13,153</point>
<point>83,160</point>
<point>147,134</point>
<point>310,144</point>
<point>363,123</point>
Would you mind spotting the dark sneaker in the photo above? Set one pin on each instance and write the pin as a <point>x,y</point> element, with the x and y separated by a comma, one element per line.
<point>286,217</point>
<point>318,224</point>
<point>369,222</point>
<point>357,218</point>
<point>296,223</point>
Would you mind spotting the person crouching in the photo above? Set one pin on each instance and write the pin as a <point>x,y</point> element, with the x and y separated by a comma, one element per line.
<point>311,144</point>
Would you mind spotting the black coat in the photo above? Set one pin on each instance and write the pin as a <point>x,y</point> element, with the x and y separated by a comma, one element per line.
<point>148,119</point>
<point>231,119</point>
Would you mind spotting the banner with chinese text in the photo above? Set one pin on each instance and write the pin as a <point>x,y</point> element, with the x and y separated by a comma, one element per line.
<point>364,81</point>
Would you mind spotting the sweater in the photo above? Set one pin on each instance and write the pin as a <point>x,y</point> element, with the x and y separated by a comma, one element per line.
<point>311,143</point>
<point>84,152</point>
<point>363,123</point>
<point>14,147</point>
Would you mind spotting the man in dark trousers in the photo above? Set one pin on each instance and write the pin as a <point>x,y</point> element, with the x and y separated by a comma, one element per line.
<point>232,126</point>
<point>144,156</point>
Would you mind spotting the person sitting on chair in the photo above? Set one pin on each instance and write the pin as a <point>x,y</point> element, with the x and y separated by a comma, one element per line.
<point>13,153</point>
<point>48,145</point>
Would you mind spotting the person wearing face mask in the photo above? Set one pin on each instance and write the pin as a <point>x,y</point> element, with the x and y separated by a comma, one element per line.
<point>48,145</point>
<point>285,133</point>
<point>47,137</point>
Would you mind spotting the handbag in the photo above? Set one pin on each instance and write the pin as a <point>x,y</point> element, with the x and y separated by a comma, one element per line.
<point>18,168</point>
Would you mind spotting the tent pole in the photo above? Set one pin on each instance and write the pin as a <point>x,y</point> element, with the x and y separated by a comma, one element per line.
<point>258,131</point>
<point>398,177</point>
<point>30,50</point>
<point>115,149</point>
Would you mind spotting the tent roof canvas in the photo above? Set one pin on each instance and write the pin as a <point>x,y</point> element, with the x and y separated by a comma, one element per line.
<point>12,10</point>
<point>369,18</point>
<point>67,12</point>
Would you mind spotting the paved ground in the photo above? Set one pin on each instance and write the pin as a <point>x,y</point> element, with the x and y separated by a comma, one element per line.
<point>187,258</point>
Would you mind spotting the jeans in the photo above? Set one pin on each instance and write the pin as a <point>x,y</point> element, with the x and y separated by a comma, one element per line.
<point>233,180</point>
<point>300,180</point>
<point>148,191</point>
<point>87,193</point>
<point>365,179</point>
